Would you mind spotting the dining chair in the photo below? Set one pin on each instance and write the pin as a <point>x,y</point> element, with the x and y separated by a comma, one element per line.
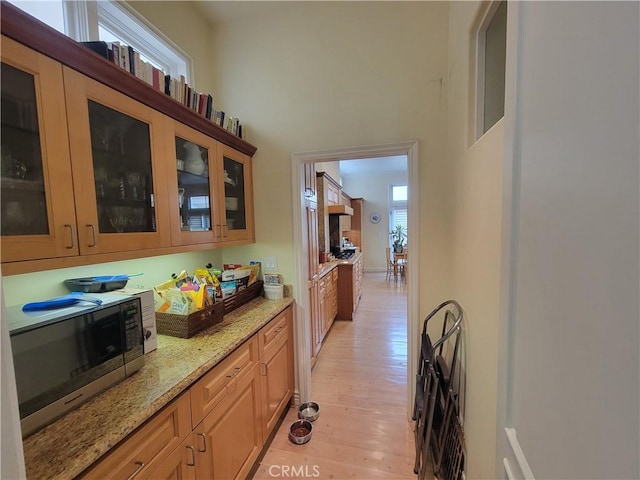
<point>391,264</point>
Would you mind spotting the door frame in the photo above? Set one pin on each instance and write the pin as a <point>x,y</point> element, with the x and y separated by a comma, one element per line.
<point>302,330</point>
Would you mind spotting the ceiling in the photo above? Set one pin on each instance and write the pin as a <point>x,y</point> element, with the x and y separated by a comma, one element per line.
<point>373,165</point>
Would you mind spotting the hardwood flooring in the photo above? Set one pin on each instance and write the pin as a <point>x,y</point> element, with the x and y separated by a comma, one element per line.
<point>359,381</point>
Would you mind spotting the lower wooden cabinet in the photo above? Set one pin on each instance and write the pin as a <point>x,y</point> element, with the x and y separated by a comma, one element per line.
<point>350,288</point>
<point>276,368</point>
<point>316,320</point>
<point>217,428</point>
<point>229,439</point>
<point>148,446</point>
<point>323,301</point>
<point>180,464</point>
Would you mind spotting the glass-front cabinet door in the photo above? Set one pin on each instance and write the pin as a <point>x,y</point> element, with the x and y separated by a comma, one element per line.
<point>237,191</point>
<point>117,153</point>
<point>193,189</point>
<point>37,207</point>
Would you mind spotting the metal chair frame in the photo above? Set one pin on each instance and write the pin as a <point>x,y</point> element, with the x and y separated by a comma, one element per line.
<point>434,389</point>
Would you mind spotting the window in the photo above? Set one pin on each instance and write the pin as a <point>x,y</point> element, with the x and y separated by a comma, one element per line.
<point>110,21</point>
<point>491,43</point>
<point>398,193</point>
<point>199,221</point>
<point>398,213</point>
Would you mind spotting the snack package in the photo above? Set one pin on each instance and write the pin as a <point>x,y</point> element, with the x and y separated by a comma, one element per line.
<point>255,271</point>
<point>240,275</point>
<point>207,277</point>
<point>228,288</point>
<point>171,282</point>
<point>180,303</point>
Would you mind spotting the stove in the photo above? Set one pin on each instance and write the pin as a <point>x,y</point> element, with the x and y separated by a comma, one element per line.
<point>346,255</point>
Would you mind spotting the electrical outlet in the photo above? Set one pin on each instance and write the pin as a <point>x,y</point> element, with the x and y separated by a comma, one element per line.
<point>270,264</point>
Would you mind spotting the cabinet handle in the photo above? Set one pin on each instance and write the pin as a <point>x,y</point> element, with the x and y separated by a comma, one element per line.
<point>204,442</point>
<point>225,230</point>
<point>93,233</point>
<point>219,231</point>
<point>193,456</point>
<point>137,470</point>
<point>73,243</point>
<point>263,369</point>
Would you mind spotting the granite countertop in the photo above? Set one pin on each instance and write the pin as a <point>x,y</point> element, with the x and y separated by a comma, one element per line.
<point>72,443</point>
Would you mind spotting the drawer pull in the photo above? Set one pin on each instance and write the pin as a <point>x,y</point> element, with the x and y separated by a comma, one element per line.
<point>204,443</point>
<point>137,471</point>
<point>192,463</point>
<point>93,233</point>
<point>73,244</point>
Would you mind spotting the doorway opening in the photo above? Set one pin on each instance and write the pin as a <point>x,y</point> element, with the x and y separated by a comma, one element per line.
<point>301,246</point>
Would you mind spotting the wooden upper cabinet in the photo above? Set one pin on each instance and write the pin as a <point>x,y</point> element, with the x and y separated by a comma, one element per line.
<point>117,157</point>
<point>236,197</point>
<point>90,156</point>
<point>38,215</point>
<point>194,186</point>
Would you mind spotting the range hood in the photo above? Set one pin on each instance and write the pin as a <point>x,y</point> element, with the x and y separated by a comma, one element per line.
<point>339,210</point>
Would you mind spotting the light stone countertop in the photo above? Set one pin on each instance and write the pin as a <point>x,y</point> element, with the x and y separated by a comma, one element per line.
<point>72,443</point>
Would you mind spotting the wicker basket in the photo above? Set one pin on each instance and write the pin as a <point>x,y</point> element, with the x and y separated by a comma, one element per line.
<point>243,296</point>
<point>186,326</point>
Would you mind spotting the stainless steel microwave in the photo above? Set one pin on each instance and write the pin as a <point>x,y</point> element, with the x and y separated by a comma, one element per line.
<point>64,357</point>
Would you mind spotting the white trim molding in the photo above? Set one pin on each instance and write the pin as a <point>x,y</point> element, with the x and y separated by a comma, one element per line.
<point>516,454</point>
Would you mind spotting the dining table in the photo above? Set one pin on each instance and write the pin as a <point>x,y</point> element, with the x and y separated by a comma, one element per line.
<point>400,263</point>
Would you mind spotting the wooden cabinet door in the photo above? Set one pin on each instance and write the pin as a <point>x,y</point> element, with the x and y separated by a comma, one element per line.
<point>314,317</point>
<point>236,197</point>
<point>193,186</point>
<point>220,382</point>
<point>311,211</point>
<point>230,436</point>
<point>177,465</point>
<point>37,215</point>
<point>276,369</point>
<point>118,160</point>
<point>324,314</point>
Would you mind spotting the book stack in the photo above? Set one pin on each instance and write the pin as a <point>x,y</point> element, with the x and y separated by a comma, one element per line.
<point>129,59</point>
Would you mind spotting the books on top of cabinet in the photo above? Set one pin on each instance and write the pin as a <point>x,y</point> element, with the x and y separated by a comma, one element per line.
<point>127,58</point>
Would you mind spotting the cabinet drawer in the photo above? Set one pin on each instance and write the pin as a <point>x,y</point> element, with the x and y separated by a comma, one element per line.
<point>278,327</point>
<point>147,447</point>
<point>211,389</point>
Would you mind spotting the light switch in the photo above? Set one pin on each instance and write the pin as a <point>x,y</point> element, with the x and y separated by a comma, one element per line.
<point>270,264</point>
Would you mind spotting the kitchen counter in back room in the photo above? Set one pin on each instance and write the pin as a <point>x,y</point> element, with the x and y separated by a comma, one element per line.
<point>74,442</point>
<point>349,286</point>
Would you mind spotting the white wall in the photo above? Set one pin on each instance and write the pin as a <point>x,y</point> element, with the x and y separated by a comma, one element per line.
<point>11,456</point>
<point>477,194</point>
<point>29,287</point>
<point>571,361</point>
<point>328,75</point>
<point>374,188</point>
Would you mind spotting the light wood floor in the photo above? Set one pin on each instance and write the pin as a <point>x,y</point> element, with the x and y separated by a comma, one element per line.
<point>359,381</point>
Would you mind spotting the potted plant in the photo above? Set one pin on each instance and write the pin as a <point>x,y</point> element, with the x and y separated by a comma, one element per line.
<point>398,235</point>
